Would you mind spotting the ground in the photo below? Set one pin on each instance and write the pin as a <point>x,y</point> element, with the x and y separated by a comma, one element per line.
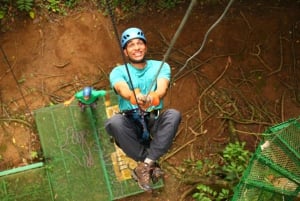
<point>244,79</point>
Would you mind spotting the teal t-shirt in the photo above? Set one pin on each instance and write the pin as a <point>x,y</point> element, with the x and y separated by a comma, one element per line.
<point>141,78</point>
<point>94,96</point>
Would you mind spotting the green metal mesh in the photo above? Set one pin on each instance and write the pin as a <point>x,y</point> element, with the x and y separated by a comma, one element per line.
<point>33,186</point>
<point>274,170</point>
<point>73,155</point>
<point>78,162</point>
<point>248,192</point>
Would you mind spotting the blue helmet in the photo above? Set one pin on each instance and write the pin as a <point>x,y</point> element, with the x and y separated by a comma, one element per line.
<point>87,91</point>
<point>132,33</point>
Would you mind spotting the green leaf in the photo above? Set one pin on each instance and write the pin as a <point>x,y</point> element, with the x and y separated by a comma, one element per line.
<point>32,14</point>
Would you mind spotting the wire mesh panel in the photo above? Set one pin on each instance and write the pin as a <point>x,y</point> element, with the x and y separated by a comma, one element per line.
<point>263,176</point>
<point>81,162</point>
<point>248,192</point>
<point>73,155</point>
<point>276,155</point>
<point>274,170</point>
<point>30,185</point>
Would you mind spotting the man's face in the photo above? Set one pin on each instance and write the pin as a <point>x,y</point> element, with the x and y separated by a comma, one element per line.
<point>135,50</point>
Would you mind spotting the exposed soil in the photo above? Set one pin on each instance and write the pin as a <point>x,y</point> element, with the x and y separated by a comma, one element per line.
<point>52,57</point>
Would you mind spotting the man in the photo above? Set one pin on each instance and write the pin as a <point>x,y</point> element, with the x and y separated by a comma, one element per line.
<point>141,129</point>
<point>86,97</point>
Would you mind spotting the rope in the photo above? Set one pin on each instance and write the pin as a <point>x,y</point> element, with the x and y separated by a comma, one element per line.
<point>177,33</point>
<point>109,6</point>
<point>205,37</point>
<point>15,78</point>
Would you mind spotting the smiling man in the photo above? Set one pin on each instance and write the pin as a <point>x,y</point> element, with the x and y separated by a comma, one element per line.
<point>142,129</point>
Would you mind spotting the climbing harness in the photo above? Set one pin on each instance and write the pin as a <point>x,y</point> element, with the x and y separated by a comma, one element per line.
<point>146,121</point>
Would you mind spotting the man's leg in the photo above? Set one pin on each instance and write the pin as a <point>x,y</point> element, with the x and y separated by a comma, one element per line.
<point>125,133</point>
<point>94,105</point>
<point>163,133</point>
<point>82,106</point>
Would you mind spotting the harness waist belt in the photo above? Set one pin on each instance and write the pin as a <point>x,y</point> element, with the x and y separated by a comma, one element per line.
<point>134,111</point>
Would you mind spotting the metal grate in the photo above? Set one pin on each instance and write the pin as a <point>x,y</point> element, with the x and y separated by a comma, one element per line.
<point>274,170</point>
<point>81,163</point>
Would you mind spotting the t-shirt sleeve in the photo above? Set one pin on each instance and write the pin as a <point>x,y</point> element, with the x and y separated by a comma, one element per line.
<point>165,72</point>
<point>116,75</point>
<point>79,95</point>
<point>100,93</point>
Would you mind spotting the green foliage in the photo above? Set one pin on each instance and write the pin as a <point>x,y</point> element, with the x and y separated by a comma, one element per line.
<point>123,5</point>
<point>3,8</point>
<point>2,13</point>
<point>168,4</point>
<point>25,5</point>
<point>129,6</point>
<point>122,8</point>
<point>33,155</point>
<point>71,3</point>
<point>205,193</point>
<point>236,160</point>
<point>56,6</point>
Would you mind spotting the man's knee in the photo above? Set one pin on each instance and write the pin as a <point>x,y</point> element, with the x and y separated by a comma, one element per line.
<point>112,124</point>
<point>173,114</point>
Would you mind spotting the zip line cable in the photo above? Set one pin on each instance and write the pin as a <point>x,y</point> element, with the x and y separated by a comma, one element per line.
<point>205,37</point>
<point>15,78</point>
<point>177,33</point>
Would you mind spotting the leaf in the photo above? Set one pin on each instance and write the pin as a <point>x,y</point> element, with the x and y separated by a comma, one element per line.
<point>2,14</point>
<point>33,155</point>
<point>32,14</point>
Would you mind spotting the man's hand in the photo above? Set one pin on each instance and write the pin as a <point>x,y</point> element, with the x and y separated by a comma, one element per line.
<point>67,103</point>
<point>152,99</point>
<point>140,98</point>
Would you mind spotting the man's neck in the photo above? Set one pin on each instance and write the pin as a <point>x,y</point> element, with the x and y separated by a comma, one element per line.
<point>139,65</point>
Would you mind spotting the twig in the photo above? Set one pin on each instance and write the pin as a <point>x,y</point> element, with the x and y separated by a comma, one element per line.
<point>217,79</point>
<point>18,121</point>
<point>282,106</point>
<point>181,75</point>
<point>187,192</point>
<point>246,132</point>
<point>8,70</point>
<point>247,121</point>
<point>247,22</point>
<point>62,65</point>
<point>178,149</point>
<point>281,58</point>
<point>260,59</point>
